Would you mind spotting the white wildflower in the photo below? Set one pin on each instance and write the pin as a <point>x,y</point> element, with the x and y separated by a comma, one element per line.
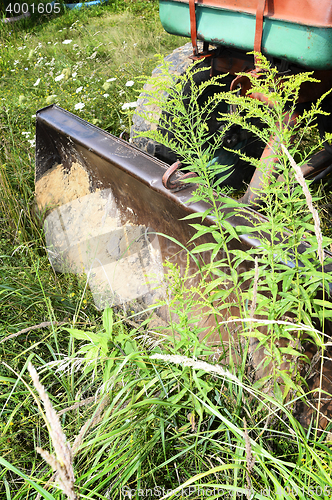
<point>36,82</point>
<point>32,142</point>
<point>26,133</point>
<point>59,77</point>
<point>105,95</point>
<point>130,83</point>
<point>111,80</point>
<point>39,61</point>
<point>66,42</point>
<point>79,105</point>
<point>128,105</point>
<point>74,74</point>
<point>79,89</point>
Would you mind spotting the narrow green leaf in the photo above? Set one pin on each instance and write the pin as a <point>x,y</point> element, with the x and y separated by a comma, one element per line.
<point>108,320</point>
<point>82,335</point>
<point>32,483</point>
<point>205,247</point>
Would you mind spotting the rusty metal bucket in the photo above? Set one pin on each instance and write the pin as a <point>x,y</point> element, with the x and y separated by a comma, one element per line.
<point>111,208</point>
<point>109,215</point>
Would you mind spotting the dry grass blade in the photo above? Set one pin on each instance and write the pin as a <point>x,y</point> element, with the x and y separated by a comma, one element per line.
<point>198,365</point>
<point>62,462</point>
<point>249,458</point>
<point>79,438</point>
<point>45,324</point>
<point>76,405</point>
<point>300,179</point>
<point>90,423</point>
<point>254,294</point>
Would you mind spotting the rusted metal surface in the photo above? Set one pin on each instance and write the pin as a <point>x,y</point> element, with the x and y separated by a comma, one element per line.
<point>269,166</point>
<point>291,30</point>
<point>177,185</point>
<point>128,224</point>
<point>134,180</point>
<point>259,31</point>
<point>193,26</point>
<point>131,183</point>
<point>309,12</point>
<point>317,164</point>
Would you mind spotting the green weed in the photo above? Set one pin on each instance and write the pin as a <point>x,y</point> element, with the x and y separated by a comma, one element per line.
<point>143,411</point>
<point>37,69</point>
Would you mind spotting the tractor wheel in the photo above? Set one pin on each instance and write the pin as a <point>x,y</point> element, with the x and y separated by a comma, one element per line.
<point>239,172</point>
<point>180,62</point>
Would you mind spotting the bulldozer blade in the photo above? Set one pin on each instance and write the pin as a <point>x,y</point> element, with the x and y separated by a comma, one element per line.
<point>108,214</point>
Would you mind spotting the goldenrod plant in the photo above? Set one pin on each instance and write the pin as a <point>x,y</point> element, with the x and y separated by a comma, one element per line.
<point>284,297</point>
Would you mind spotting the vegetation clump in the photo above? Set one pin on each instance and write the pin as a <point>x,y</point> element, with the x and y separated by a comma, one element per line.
<point>123,410</point>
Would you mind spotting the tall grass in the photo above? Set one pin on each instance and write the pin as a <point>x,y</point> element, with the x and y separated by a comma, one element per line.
<point>141,413</point>
<point>38,69</point>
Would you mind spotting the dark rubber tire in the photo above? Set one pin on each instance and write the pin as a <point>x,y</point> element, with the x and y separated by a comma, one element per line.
<point>180,62</point>
<point>241,172</point>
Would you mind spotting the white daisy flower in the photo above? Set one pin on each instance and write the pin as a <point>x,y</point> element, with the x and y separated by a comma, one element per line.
<point>128,105</point>
<point>130,83</point>
<point>59,77</point>
<point>79,89</point>
<point>79,105</point>
<point>66,42</point>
